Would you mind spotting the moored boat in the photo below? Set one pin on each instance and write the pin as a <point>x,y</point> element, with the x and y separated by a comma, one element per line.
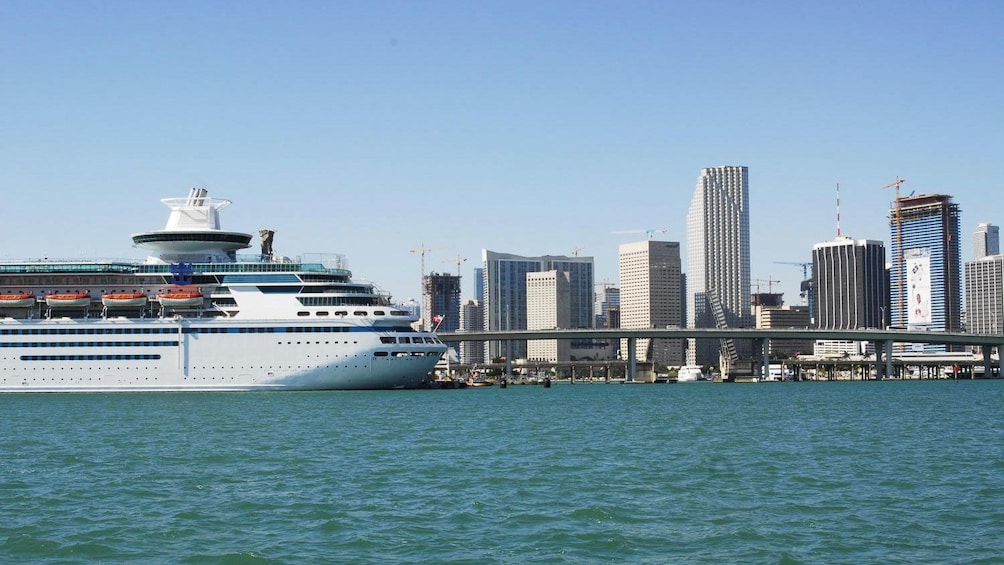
<point>17,300</point>
<point>68,300</point>
<point>123,299</point>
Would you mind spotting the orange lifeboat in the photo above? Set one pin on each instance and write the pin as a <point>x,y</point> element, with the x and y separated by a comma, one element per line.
<point>180,299</point>
<point>68,300</point>
<point>17,300</point>
<point>123,299</point>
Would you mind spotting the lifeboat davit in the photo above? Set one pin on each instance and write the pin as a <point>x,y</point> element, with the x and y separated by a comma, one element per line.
<point>17,300</point>
<point>180,299</point>
<point>68,300</point>
<point>123,299</point>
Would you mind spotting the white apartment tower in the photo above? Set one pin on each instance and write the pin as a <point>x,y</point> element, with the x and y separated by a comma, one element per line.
<point>548,307</point>
<point>986,241</point>
<point>985,295</point>
<point>650,297</point>
<point>718,259</point>
<point>472,319</point>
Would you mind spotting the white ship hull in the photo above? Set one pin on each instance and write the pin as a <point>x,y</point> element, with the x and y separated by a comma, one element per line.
<point>217,355</point>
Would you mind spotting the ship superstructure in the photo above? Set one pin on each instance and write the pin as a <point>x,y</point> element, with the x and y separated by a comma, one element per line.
<point>198,316</point>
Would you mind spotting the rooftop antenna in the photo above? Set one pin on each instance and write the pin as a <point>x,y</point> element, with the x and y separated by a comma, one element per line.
<point>838,210</point>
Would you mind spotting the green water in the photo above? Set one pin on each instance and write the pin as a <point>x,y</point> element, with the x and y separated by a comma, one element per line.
<point>877,472</point>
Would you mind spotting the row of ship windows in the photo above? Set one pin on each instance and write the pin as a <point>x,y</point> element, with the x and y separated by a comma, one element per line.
<point>4,344</point>
<point>346,312</point>
<point>406,354</point>
<point>120,331</point>
<point>123,357</point>
<point>406,339</point>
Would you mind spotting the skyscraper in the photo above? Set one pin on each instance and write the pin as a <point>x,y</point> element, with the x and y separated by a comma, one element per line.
<point>718,258</point>
<point>505,294</point>
<point>925,280</point>
<point>472,319</point>
<point>547,308</point>
<point>985,295</point>
<point>441,302</point>
<point>986,241</point>
<point>851,284</point>
<point>650,297</point>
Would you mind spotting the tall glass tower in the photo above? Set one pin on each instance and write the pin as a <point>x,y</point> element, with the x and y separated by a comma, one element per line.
<point>925,286</point>
<point>718,259</point>
<point>505,294</point>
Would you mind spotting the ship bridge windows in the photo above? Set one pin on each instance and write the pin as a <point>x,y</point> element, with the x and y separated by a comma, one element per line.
<point>261,278</point>
<point>284,289</point>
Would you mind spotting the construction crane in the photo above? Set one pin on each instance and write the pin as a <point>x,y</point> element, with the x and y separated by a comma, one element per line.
<point>899,247</point>
<point>458,261</point>
<point>648,232</point>
<point>575,252</point>
<point>421,251</point>
<point>804,288</point>
<point>767,281</point>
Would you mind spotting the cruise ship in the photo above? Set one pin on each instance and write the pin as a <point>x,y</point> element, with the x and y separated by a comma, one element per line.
<point>198,316</point>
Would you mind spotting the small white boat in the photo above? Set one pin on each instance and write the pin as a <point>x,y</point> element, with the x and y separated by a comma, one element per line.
<point>689,374</point>
<point>17,300</point>
<point>68,300</point>
<point>123,299</point>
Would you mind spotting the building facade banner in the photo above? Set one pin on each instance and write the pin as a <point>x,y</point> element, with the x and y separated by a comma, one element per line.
<point>918,270</point>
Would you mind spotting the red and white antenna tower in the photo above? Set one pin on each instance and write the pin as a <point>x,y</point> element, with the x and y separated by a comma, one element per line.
<point>838,209</point>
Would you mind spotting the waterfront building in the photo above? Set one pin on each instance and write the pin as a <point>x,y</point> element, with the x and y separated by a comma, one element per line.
<point>925,278</point>
<point>472,319</point>
<point>852,288</point>
<point>505,294</point>
<point>718,259</point>
<point>851,283</point>
<point>441,302</point>
<point>548,307</point>
<point>650,297</point>
<point>608,303</point>
<point>985,295</point>
<point>783,316</point>
<point>986,241</point>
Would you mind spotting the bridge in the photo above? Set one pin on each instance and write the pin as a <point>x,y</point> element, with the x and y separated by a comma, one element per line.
<point>883,340</point>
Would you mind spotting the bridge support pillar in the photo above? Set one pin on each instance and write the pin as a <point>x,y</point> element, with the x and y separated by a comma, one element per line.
<point>632,362</point>
<point>765,366</point>
<point>987,366</point>
<point>888,358</point>
<point>879,349</point>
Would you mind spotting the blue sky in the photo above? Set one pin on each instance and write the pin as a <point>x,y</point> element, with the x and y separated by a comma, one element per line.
<point>372,128</point>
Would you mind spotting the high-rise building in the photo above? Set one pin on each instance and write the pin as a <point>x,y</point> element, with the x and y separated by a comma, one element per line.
<point>548,307</point>
<point>650,297</point>
<point>718,259</point>
<point>441,302</point>
<point>851,284</point>
<point>472,319</point>
<point>925,279</point>
<point>986,241</point>
<point>479,285</point>
<point>505,294</point>
<point>775,317</point>
<point>985,295</point>
<point>608,302</point>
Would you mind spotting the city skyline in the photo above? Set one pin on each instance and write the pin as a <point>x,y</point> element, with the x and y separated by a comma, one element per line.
<point>373,129</point>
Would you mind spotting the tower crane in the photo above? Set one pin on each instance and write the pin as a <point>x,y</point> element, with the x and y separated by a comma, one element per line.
<point>900,267</point>
<point>421,251</point>
<point>805,287</point>
<point>458,261</point>
<point>648,232</point>
<point>768,281</point>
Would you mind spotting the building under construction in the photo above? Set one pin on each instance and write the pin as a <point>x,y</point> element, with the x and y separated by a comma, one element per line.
<point>925,279</point>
